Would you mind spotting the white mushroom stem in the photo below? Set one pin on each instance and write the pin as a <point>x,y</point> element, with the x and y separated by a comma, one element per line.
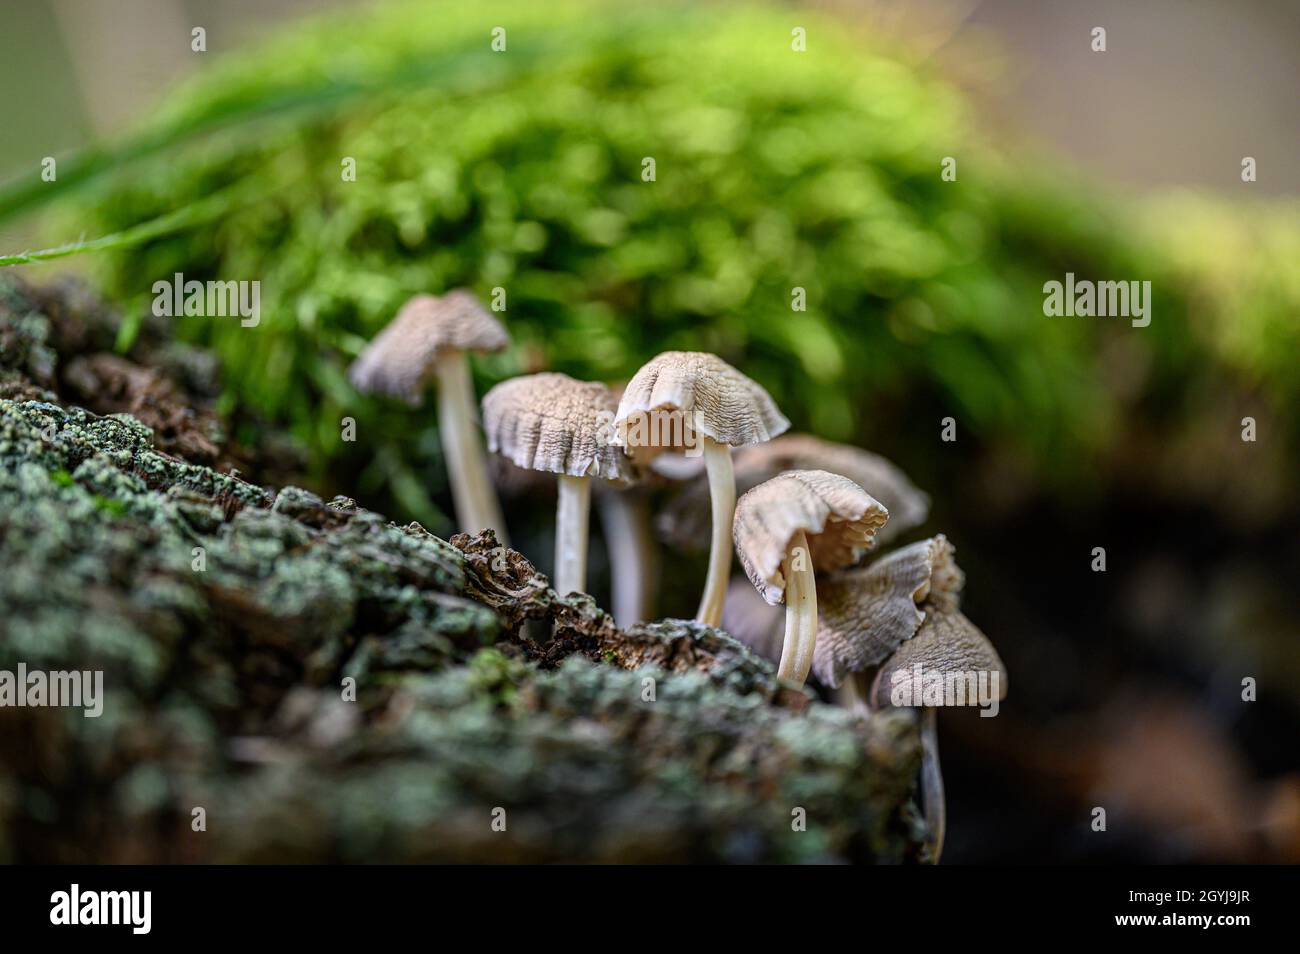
<point>472,493</point>
<point>722,496</point>
<point>572,514</point>
<point>800,611</point>
<point>851,696</point>
<point>932,799</point>
<point>633,557</point>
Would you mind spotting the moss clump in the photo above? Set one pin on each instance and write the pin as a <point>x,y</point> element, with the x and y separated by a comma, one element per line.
<point>774,170</point>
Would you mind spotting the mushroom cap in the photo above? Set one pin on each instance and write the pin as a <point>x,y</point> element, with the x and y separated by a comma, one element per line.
<point>554,423</point>
<point>839,517</point>
<point>947,642</point>
<point>754,621</point>
<point>398,362</point>
<point>676,468</point>
<point>684,523</point>
<point>866,613</point>
<point>713,398</point>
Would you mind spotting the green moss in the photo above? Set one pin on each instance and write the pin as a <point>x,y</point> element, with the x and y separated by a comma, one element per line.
<point>775,170</point>
<point>115,507</point>
<point>497,675</point>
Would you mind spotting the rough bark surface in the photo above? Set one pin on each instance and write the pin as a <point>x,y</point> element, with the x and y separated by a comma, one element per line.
<point>230,622</point>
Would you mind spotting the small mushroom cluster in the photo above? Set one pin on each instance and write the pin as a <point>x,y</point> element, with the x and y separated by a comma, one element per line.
<point>809,509</point>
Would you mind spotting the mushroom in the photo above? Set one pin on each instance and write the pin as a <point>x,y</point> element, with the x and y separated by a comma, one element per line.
<point>753,621</point>
<point>553,423</point>
<point>628,528</point>
<point>696,402</point>
<point>866,613</point>
<point>431,337</point>
<point>626,523</point>
<point>682,522</point>
<point>947,647</point>
<point>787,526</point>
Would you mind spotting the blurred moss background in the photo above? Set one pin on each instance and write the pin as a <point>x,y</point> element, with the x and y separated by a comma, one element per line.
<point>775,170</point>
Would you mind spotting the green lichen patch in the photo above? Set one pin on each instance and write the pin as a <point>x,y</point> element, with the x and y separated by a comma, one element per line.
<point>328,686</point>
<point>574,764</point>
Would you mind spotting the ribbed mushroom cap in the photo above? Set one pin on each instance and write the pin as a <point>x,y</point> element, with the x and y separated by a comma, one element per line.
<point>947,642</point>
<point>708,395</point>
<point>684,523</point>
<point>398,362</point>
<point>866,613</point>
<point>553,423</point>
<point>754,621</point>
<point>839,517</point>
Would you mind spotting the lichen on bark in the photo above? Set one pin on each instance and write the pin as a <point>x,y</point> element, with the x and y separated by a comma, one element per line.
<point>232,624</point>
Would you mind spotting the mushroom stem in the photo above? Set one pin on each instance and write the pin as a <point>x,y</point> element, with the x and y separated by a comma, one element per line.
<point>932,782</point>
<point>722,496</point>
<point>633,558</point>
<point>851,696</point>
<point>800,611</point>
<point>471,490</point>
<point>571,518</point>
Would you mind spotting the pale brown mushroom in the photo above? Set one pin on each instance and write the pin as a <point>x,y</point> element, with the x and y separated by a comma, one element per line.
<point>790,525</point>
<point>695,402</point>
<point>948,650</point>
<point>865,613</point>
<point>552,423</point>
<point>753,621</point>
<point>682,523</point>
<point>628,527</point>
<point>431,337</point>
